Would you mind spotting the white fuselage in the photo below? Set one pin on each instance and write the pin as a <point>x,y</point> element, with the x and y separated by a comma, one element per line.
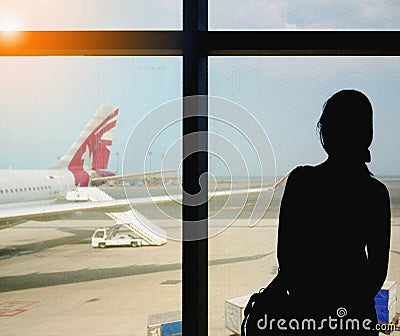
<point>34,185</point>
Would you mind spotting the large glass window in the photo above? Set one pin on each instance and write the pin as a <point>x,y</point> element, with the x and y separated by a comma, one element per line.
<point>286,95</point>
<point>68,287</point>
<point>53,280</point>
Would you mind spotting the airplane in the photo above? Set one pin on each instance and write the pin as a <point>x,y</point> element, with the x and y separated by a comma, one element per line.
<point>36,194</point>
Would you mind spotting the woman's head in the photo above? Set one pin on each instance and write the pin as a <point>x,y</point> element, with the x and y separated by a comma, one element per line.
<point>345,127</point>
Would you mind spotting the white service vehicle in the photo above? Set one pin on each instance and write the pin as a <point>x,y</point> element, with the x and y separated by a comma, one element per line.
<point>107,237</point>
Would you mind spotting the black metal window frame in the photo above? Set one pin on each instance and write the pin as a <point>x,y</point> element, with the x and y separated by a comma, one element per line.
<point>195,44</point>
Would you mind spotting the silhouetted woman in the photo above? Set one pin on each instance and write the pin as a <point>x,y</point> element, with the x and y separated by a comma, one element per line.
<point>334,227</point>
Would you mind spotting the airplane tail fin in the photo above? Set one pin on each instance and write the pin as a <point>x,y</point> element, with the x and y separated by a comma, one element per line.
<point>91,151</point>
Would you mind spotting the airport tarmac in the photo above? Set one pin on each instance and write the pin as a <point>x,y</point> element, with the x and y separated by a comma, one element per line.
<point>52,282</point>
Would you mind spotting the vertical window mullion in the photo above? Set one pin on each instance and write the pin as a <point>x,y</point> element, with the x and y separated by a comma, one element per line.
<point>195,164</point>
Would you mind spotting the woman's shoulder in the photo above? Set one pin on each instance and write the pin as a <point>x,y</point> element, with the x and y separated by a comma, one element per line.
<point>299,174</point>
<point>379,188</point>
<point>302,170</point>
<point>311,176</point>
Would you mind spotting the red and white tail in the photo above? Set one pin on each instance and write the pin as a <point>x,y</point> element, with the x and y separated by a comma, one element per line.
<point>90,153</point>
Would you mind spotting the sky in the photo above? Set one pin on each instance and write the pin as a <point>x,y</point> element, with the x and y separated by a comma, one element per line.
<point>91,14</point>
<point>223,14</point>
<point>286,95</point>
<point>46,101</point>
<point>304,14</point>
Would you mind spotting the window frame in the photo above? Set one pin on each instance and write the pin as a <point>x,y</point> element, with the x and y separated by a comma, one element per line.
<point>195,44</point>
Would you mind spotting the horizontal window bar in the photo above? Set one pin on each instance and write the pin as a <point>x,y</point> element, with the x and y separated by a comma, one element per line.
<point>95,43</point>
<point>301,43</point>
<point>167,43</point>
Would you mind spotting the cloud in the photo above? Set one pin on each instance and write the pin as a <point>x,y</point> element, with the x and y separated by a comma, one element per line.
<point>252,14</point>
<point>305,14</point>
<point>343,14</point>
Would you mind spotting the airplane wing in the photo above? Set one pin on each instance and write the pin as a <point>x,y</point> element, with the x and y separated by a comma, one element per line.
<point>100,180</point>
<point>41,211</point>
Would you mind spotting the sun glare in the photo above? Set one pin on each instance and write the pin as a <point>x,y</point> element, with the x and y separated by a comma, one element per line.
<point>9,32</point>
<point>8,24</point>
<point>7,29</point>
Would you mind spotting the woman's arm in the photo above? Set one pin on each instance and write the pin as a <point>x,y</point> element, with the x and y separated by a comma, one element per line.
<point>286,236</point>
<point>378,240</point>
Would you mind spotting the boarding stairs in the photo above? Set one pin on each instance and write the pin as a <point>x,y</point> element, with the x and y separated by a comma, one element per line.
<point>132,219</point>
